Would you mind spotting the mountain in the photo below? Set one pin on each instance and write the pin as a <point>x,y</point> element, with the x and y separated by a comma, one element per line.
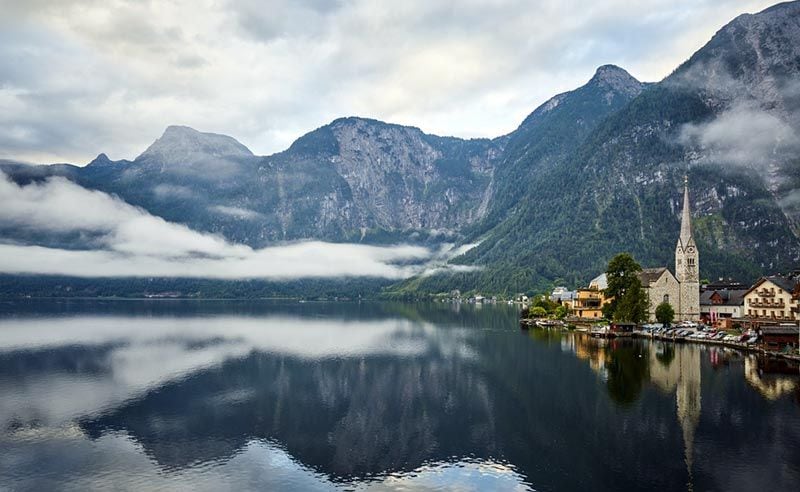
<point>354,179</point>
<point>181,145</point>
<point>551,132</point>
<point>726,117</point>
<point>589,173</point>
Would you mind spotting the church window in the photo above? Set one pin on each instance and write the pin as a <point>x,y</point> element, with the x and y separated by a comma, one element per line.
<point>666,298</point>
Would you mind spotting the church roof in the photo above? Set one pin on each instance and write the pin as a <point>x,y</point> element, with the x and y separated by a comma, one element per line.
<point>650,275</point>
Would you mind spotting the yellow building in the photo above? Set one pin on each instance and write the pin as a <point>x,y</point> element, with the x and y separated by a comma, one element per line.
<point>770,299</point>
<point>589,302</point>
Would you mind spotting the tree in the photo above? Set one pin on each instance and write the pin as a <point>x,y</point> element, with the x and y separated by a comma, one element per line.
<point>664,313</point>
<point>628,298</point>
<point>561,312</point>
<point>537,312</point>
<point>544,302</point>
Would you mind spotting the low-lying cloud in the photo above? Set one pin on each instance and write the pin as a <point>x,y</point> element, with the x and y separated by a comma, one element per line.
<point>744,135</point>
<point>238,212</point>
<point>130,242</point>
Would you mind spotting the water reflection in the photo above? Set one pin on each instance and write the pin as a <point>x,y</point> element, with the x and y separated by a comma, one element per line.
<point>773,378</point>
<point>321,396</point>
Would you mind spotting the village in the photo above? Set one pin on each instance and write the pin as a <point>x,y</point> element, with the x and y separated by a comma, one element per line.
<point>764,316</point>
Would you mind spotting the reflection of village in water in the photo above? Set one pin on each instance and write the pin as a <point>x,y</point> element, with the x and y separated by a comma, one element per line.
<point>627,365</point>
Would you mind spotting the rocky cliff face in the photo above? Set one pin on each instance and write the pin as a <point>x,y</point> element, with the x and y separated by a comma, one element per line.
<point>748,76</point>
<point>354,179</point>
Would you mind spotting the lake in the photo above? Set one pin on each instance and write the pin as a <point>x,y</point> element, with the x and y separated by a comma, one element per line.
<point>211,395</point>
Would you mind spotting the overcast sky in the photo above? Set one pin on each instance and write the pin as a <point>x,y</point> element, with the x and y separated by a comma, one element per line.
<point>87,76</point>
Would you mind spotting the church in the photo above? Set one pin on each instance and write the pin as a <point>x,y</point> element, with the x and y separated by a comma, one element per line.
<point>681,290</point>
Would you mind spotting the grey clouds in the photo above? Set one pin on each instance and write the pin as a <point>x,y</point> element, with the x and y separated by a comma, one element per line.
<point>83,77</point>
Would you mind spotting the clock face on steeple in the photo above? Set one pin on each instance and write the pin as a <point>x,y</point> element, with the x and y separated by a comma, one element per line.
<point>690,249</point>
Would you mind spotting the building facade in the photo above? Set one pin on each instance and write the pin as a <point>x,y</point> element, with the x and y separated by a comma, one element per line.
<point>772,299</point>
<point>719,307</point>
<point>589,302</point>
<point>661,286</point>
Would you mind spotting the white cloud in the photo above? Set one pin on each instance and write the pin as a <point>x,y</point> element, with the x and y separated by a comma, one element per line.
<point>743,135</point>
<point>746,136</point>
<point>163,191</point>
<point>239,212</point>
<point>82,77</point>
<point>134,243</point>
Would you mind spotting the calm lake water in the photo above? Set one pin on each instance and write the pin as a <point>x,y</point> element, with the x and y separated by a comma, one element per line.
<point>288,396</point>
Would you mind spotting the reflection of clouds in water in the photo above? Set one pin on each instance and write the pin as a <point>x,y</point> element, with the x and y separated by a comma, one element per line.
<point>142,354</point>
<point>117,459</point>
<point>312,338</point>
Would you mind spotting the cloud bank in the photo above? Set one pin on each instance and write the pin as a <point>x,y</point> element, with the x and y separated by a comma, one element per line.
<point>82,77</point>
<point>129,242</point>
<point>743,135</point>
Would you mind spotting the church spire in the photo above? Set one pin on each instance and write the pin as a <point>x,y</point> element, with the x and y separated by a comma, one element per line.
<point>686,218</point>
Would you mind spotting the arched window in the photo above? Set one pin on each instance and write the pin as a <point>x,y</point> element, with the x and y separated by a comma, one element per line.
<point>666,298</point>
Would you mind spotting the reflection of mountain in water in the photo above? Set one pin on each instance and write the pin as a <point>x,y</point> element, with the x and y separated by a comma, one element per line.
<point>366,406</point>
<point>493,398</point>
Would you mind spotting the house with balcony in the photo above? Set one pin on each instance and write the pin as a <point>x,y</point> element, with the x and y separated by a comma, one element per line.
<point>588,302</point>
<point>773,298</point>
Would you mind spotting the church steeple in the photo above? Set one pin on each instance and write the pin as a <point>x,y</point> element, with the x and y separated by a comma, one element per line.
<point>686,218</point>
<point>687,263</point>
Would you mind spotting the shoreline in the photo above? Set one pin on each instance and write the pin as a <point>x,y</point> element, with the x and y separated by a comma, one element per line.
<point>528,323</point>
